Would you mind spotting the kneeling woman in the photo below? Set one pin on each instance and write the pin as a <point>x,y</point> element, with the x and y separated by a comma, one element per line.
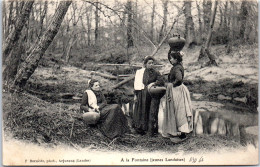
<point>112,122</point>
<point>177,119</point>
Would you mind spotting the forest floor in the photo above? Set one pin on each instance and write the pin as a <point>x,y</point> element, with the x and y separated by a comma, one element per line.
<point>47,112</point>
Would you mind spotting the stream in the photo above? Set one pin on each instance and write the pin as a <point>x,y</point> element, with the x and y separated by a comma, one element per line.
<point>212,118</point>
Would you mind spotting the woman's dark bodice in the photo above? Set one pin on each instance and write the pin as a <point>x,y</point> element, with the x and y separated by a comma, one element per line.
<point>176,75</point>
<point>151,75</point>
<point>101,100</point>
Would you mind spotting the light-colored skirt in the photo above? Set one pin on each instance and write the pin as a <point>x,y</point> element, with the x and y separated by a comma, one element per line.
<point>178,111</point>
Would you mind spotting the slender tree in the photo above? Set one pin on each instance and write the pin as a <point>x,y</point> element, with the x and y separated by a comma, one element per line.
<point>205,49</point>
<point>96,23</point>
<point>135,18</point>
<point>73,37</point>
<point>89,19</point>
<point>231,28</point>
<point>42,17</point>
<point>164,25</point>
<point>225,15</point>
<point>130,41</point>
<point>200,22</point>
<point>206,14</point>
<point>243,19</point>
<point>152,21</point>
<point>189,25</point>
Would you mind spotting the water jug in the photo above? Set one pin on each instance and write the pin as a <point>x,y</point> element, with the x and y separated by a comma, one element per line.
<point>156,91</point>
<point>176,43</point>
<point>91,117</point>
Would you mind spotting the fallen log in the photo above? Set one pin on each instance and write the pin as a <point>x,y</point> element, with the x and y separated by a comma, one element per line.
<point>131,65</point>
<point>126,75</point>
<point>103,75</point>
<point>123,82</point>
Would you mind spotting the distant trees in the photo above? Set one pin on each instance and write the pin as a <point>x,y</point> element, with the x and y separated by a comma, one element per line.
<point>96,26</point>
<point>14,36</point>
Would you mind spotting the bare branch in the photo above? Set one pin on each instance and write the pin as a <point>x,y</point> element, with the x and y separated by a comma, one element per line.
<point>108,16</point>
<point>169,31</point>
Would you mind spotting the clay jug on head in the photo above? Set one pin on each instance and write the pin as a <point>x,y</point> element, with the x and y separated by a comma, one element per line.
<point>176,43</point>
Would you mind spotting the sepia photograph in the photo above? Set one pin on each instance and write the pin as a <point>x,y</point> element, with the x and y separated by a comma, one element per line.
<point>129,82</point>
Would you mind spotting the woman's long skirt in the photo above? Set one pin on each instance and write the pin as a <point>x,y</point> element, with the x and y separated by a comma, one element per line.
<point>141,111</point>
<point>178,109</point>
<point>113,122</point>
<point>145,116</point>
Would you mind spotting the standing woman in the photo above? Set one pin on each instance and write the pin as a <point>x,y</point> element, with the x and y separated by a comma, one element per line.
<point>145,116</point>
<point>177,120</point>
<point>112,121</point>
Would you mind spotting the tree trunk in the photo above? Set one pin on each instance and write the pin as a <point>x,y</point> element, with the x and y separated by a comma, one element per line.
<point>221,19</point>
<point>225,24</point>
<point>152,22</point>
<point>43,16</point>
<point>14,36</point>
<point>206,14</point>
<point>205,49</point>
<point>72,41</point>
<point>212,21</point>
<point>12,63</point>
<point>9,22</point>
<point>231,28</point>
<point>189,25</point>
<point>89,19</point>
<point>73,35</point>
<point>31,62</point>
<point>164,25</point>
<point>96,24</point>
<point>243,19</point>
<point>200,23</point>
<point>4,20</point>
<point>17,10</point>
<point>136,31</point>
<point>31,29</point>
<point>130,42</point>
